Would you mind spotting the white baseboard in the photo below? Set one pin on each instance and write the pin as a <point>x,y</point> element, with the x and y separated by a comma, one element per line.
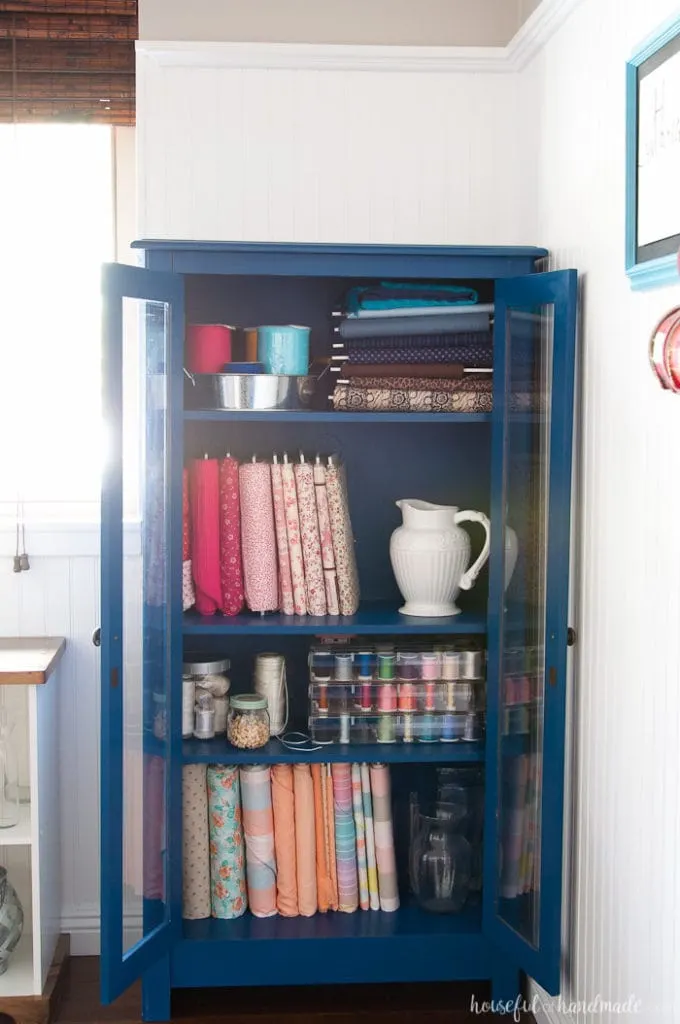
<point>545,1008</point>
<point>82,924</point>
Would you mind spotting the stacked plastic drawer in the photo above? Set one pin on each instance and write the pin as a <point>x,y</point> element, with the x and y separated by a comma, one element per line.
<point>385,694</point>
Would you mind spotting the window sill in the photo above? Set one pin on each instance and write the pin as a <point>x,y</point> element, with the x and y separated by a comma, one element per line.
<point>66,540</point>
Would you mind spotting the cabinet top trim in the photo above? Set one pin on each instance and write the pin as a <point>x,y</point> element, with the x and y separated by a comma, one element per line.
<point>310,248</point>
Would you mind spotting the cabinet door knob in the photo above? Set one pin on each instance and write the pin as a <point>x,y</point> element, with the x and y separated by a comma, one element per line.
<point>571,636</point>
<point>97,637</point>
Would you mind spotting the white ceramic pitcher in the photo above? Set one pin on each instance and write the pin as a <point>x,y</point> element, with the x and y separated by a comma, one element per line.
<point>430,555</point>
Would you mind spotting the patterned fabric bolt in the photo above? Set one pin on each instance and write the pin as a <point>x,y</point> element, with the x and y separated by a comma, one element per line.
<point>227,865</point>
<point>373,896</point>
<point>285,579</point>
<point>297,568</point>
<point>231,571</point>
<point>384,837</point>
<point>479,355</point>
<point>469,383</point>
<point>258,537</point>
<point>283,803</point>
<point>345,839</point>
<point>343,540</point>
<point>346,398</point>
<point>360,826</point>
<point>326,539</point>
<point>258,827</point>
<point>309,535</point>
<point>195,843</point>
<point>305,839</point>
<point>205,534</point>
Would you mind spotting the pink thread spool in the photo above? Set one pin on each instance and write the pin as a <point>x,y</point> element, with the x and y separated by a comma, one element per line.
<point>429,666</point>
<point>208,347</point>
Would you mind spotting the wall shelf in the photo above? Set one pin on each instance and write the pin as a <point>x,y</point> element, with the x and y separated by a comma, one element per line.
<point>220,751</point>
<point>282,416</point>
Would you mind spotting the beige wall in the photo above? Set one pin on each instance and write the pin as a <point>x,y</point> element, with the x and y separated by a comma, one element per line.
<point>527,7</point>
<point>389,22</point>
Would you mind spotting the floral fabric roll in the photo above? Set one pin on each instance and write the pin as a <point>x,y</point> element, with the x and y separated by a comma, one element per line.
<point>297,568</point>
<point>228,897</point>
<point>326,539</point>
<point>258,828</point>
<point>258,537</point>
<point>195,843</point>
<point>309,535</point>
<point>231,572</point>
<point>343,539</point>
<point>347,397</point>
<point>285,579</point>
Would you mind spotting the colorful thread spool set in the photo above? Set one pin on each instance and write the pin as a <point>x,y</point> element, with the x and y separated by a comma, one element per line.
<point>387,695</point>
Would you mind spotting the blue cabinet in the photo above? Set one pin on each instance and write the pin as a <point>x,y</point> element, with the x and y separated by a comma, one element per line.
<point>514,463</point>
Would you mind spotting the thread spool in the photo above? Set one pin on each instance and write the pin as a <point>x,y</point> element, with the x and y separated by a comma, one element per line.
<point>386,729</point>
<point>364,663</point>
<point>407,666</point>
<point>270,682</point>
<point>427,728</point>
<point>430,696</point>
<point>188,699</point>
<point>387,697</point>
<point>429,666</point>
<point>407,697</point>
<point>449,729</point>
<point>221,714</point>
<point>322,692</point>
<point>343,667</point>
<point>386,665</point>
<point>344,728</point>
<point>450,665</point>
<point>366,697</point>
<point>407,721</point>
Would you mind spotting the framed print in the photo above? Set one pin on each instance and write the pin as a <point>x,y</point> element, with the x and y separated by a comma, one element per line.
<point>653,159</point>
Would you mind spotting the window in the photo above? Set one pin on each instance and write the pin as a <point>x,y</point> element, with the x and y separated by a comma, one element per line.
<point>56,229</point>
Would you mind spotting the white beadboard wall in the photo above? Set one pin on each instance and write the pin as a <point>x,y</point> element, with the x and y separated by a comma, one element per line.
<point>318,154</point>
<point>623,931</point>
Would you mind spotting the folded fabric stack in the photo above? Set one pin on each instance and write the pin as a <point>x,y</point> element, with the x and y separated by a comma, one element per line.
<point>291,840</point>
<point>414,347</point>
<point>275,536</point>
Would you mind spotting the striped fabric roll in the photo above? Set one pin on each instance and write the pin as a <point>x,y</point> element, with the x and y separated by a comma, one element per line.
<point>372,868</point>
<point>359,824</point>
<point>345,839</point>
<point>258,827</point>
<point>384,837</point>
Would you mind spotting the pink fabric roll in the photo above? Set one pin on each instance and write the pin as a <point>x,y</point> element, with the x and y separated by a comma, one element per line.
<point>326,539</point>
<point>309,533</point>
<point>205,534</point>
<point>343,540</point>
<point>297,568</point>
<point>231,571</point>
<point>285,581</point>
<point>260,575</point>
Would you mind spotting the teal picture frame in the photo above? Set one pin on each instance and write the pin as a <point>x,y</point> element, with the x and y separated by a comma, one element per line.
<point>655,263</point>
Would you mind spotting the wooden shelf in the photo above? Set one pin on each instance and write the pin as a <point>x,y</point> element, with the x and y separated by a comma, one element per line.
<point>312,416</point>
<point>220,751</point>
<point>18,835</point>
<point>18,978</point>
<point>29,660</point>
<point>372,619</point>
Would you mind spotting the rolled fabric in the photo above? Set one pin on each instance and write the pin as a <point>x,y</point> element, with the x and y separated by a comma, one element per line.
<point>188,592</point>
<point>471,355</point>
<point>441,371</point>
<point>326,539</point>
<point>231,570</point>
<point>346,398</point>
<point>258,829</point>
<point>195,843</point>
<point>359,825</point>
<point>324,887</point>
<point>410,326</point>
<point>384,837</point>
<point>345,839</point>
<point>372,867</point>
<point>261,584</point>
<point>343,539</point>
<point>309,535</point>
<point>297,567</point>
<point>285,580</point>
<point>283,805</point>
<point>329,813</point>
<point>305,839</point>
<point>422,384</point>
<point>205,534</point>
<point>228,898</point>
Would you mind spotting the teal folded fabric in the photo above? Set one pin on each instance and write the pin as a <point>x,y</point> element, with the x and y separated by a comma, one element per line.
<point>395,295</point>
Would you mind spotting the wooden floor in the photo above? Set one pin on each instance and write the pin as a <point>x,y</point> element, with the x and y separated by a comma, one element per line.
<point>350,1004</point>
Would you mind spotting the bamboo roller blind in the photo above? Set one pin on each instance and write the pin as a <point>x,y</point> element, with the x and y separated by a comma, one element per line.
<point>68,60</point>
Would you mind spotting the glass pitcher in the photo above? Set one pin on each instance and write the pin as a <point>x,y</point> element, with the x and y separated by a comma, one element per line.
<point>440,861</point>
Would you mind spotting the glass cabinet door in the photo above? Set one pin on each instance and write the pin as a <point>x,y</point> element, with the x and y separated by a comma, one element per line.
<point>528,601</point>
<point>141,614</point>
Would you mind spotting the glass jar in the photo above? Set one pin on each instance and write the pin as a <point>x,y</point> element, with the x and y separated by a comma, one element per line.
<point>210,676</point>
<point>9,774</point>
<point>248,721</point>
<point>440,862</point>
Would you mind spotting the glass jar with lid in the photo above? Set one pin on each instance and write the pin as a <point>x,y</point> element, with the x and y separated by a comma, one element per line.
<point>248,721</point>
<point>210,677</point>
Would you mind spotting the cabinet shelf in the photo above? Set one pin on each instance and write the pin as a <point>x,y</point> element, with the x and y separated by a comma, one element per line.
<point>19,834</point>
<point>314,416</point>
<point>372,619</point>
<point>220,751</point>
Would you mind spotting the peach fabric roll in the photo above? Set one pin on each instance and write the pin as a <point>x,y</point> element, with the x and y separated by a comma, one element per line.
<point>324,882</point>
<point>283,803</point>
<point>305,839</point>
<point>330,818</point>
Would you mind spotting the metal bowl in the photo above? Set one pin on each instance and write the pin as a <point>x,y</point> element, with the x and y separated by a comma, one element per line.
<point>250,391</point>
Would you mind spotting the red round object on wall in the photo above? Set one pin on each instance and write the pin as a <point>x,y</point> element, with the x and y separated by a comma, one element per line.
<point>208,347</point>
<point>664,350</point>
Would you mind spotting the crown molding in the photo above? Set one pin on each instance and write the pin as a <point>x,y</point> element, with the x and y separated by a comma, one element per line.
<point>529,40</point>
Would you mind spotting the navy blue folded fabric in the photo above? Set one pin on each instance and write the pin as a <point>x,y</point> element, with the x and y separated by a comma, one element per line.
<point>433,323</point>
